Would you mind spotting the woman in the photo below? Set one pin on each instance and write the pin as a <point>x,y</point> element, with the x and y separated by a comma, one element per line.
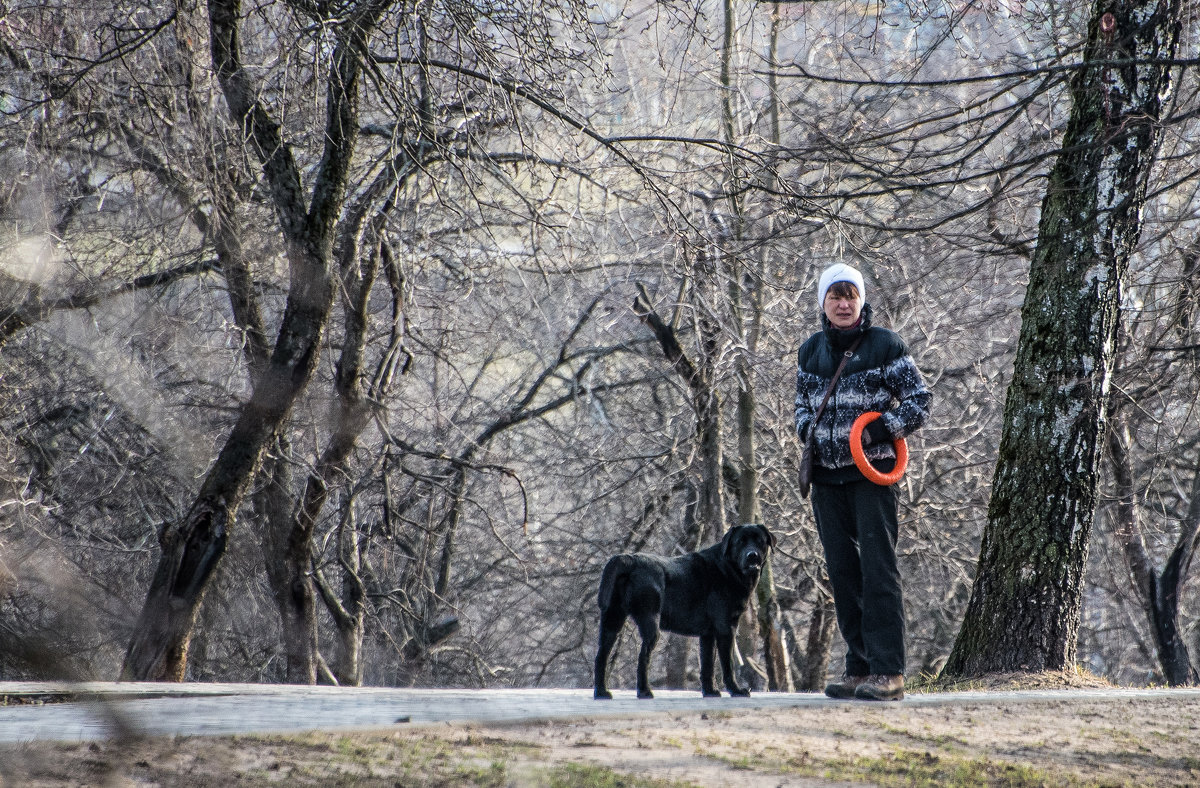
<point>856,518</point>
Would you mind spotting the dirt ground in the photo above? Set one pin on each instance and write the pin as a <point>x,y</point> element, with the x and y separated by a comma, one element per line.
<point>1125,741</point>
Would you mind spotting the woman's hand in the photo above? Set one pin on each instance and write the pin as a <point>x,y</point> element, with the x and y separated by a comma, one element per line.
<point>875,432</point>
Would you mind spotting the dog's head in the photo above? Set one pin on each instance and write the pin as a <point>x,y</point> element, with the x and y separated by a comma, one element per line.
<point>746,547</point>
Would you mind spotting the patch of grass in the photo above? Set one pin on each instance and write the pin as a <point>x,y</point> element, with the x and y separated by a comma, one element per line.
<point>717,715</point>
<point>418,761</point>
<point>772,759</point>
<point>492,775</point>
<point>926,682</point>
<point>912,769</point>
<point>747,763</point>
<point>355,750</point>
<point>941,740</point>
<point>916,769</point>
<point>1070,678</point>
<point>573,775</point>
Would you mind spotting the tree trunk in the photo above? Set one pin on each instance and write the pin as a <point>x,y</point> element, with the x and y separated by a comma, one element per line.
<point>348,666</point>
<point>191,548</point>
<point>1177,665</point>
<point>348,611</point>
<point>810,664</point>
<point>770,629</point>
<point>1025,603</point>
<point>292,524</point>
<point>707,403</point>
<point>288,560</point>
<point>1158,593</point>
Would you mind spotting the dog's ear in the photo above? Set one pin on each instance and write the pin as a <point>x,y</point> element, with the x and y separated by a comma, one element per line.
<point>770,536</point>
<point>727,542</point>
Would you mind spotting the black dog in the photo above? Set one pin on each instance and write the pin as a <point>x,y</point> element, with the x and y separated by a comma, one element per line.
<point>701,594</point>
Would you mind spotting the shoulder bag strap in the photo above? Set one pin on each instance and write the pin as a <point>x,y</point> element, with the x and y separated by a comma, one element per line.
<point>832,385</point>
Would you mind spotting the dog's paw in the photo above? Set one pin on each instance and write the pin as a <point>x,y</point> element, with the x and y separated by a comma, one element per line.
<point>602,695</point>
<point>711,693</point>
<point>740,693</point>
<point>645,695</point>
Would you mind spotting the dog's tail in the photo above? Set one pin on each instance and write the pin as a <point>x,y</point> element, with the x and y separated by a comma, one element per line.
<point>613,577</point>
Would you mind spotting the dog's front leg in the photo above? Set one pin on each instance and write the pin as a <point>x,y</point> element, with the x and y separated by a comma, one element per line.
<point>706,668</point>
<point>725,648</point>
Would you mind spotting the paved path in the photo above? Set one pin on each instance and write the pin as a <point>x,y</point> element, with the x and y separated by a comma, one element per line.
<point>104,710</point>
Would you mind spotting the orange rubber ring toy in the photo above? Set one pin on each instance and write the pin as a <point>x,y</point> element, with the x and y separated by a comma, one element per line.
<point>860,457</point>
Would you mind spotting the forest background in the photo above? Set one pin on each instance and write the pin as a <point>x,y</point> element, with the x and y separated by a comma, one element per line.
<point>472,296</point>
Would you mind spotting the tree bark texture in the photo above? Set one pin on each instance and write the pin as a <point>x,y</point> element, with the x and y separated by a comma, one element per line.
<point>192,547</point>
<point>1026,600</point>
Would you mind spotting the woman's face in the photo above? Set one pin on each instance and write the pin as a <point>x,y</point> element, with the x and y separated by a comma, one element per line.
<point>843,312</point>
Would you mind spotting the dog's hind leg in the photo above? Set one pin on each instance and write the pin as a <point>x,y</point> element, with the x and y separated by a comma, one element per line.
<point>610,628</point>
<point>647,624</point>
<point>706,668</point>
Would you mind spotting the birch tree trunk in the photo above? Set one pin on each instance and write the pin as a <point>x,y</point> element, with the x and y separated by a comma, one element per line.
<point>1025,604</point>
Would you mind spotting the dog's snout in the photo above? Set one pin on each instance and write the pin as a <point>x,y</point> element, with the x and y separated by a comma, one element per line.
<point>754,558</point>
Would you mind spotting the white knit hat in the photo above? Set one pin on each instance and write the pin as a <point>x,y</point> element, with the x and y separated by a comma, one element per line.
<point>839,272</point>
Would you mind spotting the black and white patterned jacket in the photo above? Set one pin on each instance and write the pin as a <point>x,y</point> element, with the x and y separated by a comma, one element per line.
<point>881,376</point>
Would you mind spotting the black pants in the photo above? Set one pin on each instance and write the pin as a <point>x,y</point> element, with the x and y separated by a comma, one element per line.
<point>858,525</point>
